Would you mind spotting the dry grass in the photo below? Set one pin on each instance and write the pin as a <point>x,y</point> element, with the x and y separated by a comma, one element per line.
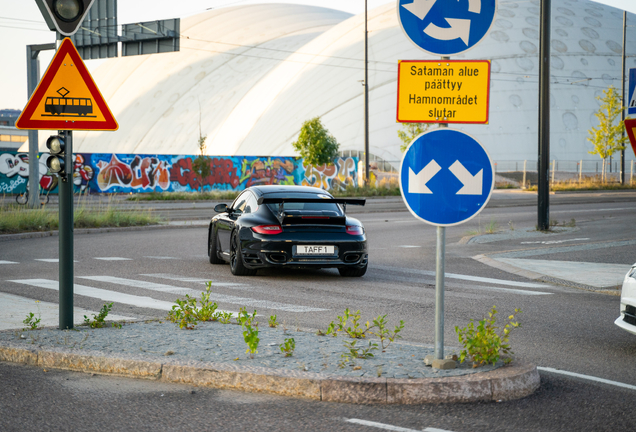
<point>586,183</point>
<point>16,219</point>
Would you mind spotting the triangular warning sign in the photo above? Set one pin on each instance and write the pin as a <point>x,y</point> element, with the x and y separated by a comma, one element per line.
<point>67,97</point>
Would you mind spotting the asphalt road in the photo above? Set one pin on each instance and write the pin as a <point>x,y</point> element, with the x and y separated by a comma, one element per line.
<point>563,327</point>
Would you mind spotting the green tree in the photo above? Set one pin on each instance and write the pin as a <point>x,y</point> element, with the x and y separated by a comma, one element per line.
<point>315,144</point>
<point>608,136</point>
<point>409,132</point>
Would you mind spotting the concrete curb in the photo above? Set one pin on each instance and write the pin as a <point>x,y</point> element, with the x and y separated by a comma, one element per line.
<point>541,277</point>
<point>76,231</point>
<point>510,382</point>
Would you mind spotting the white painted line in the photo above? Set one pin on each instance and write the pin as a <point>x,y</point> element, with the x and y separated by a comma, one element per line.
<point>508,290</point>
<point>407,246</point>
<point>161,257</point>
<point>15,309</point>
<point>112,259</point>
<point>50,260</point>
<point>587,377</point>
<point>463,277</point>
<point>391,427</point>
<point>8,262</point>
<point>110,296</point>
<point>215,296</point>
<point>593,210</point>
<point>191,279</point>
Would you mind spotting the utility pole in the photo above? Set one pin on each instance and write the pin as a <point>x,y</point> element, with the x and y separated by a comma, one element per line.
<point>623,98</point>
<point>543,203</point>
<point>366,98</point>
<point>33,78</point>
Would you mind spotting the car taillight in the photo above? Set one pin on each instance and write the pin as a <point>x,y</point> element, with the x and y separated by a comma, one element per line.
<point>268,229</point>
<point>355,230</point>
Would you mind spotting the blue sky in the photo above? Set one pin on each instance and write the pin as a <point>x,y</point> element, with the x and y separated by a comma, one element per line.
<point>22,24</point>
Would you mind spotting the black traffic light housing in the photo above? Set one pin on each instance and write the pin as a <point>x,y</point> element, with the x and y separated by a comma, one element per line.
<point>58,162</point>
<point>64,16</point>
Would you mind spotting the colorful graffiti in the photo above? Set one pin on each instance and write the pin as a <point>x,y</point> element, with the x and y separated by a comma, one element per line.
<point>337,176</point>
<point>126,173</point>
<point>14,173</point>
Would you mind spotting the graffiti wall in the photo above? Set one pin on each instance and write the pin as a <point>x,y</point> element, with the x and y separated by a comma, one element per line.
<point>119,173</point>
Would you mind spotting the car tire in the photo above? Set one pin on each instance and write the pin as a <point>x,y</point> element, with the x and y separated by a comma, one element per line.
<point>213,250</point>
<point>237,266</point>
<point>353,271</point>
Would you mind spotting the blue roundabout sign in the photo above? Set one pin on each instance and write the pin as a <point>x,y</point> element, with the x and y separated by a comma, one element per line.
<point>446,177</point>
<point>446,27</point>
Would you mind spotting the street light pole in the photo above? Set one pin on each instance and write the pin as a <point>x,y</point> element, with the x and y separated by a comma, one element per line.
<point>543,188</point>
<point>366,99</point>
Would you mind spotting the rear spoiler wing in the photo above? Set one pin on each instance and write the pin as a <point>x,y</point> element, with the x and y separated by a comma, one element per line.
<point>281,201</point>
<point>345,201</point>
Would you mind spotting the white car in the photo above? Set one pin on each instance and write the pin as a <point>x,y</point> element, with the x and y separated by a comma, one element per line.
<point>627,320</point>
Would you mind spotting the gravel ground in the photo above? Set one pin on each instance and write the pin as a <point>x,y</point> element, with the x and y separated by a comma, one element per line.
<point>216,342</point>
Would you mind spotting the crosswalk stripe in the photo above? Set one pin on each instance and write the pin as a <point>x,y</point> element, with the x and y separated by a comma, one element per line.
<point>192,279</point>
<point>462,277</point>
<point>112,259</point>
<point>110,296</point>
<point>8,262</point>
<point>15,308</point>
<point>217,297</point>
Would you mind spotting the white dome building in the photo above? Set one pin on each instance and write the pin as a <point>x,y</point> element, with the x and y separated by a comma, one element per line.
<point>247,77</point>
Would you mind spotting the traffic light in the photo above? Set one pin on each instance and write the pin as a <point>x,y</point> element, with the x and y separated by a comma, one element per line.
<point>65,16</point>
<point>57,162</point>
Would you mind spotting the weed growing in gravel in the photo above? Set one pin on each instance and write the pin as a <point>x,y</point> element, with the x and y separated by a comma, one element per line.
<point>30,321</point>
<point>482,343</point>
<point>272,321</point>
<point>207,311</point>
<point>184,313</point>
<point>288,347</point>
<point>385,335</point>
<point>224,317</point>
<point>98,320</point>
<point>354,330</point>
<point>250,334</point>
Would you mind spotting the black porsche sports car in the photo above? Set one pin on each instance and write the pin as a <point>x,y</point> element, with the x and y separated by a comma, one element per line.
<point>280,226</point>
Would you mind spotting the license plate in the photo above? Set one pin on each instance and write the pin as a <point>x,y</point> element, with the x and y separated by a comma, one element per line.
<point>314,250</point>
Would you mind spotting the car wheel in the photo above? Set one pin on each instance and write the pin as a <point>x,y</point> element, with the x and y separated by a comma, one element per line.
<point>353,271</point>
<point>236,258</point>
<point>213,244</point>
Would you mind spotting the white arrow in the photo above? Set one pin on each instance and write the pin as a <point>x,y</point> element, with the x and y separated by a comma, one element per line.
<point>474,6</point>
<point>459,28</point>
<point>420,8</point>
<point>473,184</point>
<point>417,182</point>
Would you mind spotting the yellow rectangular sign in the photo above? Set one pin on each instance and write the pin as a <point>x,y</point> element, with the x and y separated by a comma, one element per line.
<point>443,91</point>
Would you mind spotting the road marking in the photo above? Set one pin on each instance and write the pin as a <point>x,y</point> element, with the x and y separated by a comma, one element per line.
<point>161,257</point>
<point>215,296</point>
<point>407,246</point>
<point>563,249</point>
<point>191,279</point>
<point>509,290</point>
<point>112,259</point>
<point>110,296</point>
<point>593,210</point>
<point>50,260</point>
<point>15,308</point>
<point>462,277</point>
<point>391,427</point>
<point>587,377</point>
<point>553,241</point>
<point>8,262</point>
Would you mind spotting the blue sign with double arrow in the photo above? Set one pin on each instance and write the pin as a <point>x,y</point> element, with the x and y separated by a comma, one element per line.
<point>631,107</point>
<point>446,177</point>
<point>446,27</point>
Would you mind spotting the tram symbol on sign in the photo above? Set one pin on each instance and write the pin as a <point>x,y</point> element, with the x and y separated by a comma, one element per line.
<point>67,107</point>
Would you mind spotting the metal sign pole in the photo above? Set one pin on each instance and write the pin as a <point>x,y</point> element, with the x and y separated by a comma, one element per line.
<point>439,293</point>
<point>439,282</point>
<point>65,192</point>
